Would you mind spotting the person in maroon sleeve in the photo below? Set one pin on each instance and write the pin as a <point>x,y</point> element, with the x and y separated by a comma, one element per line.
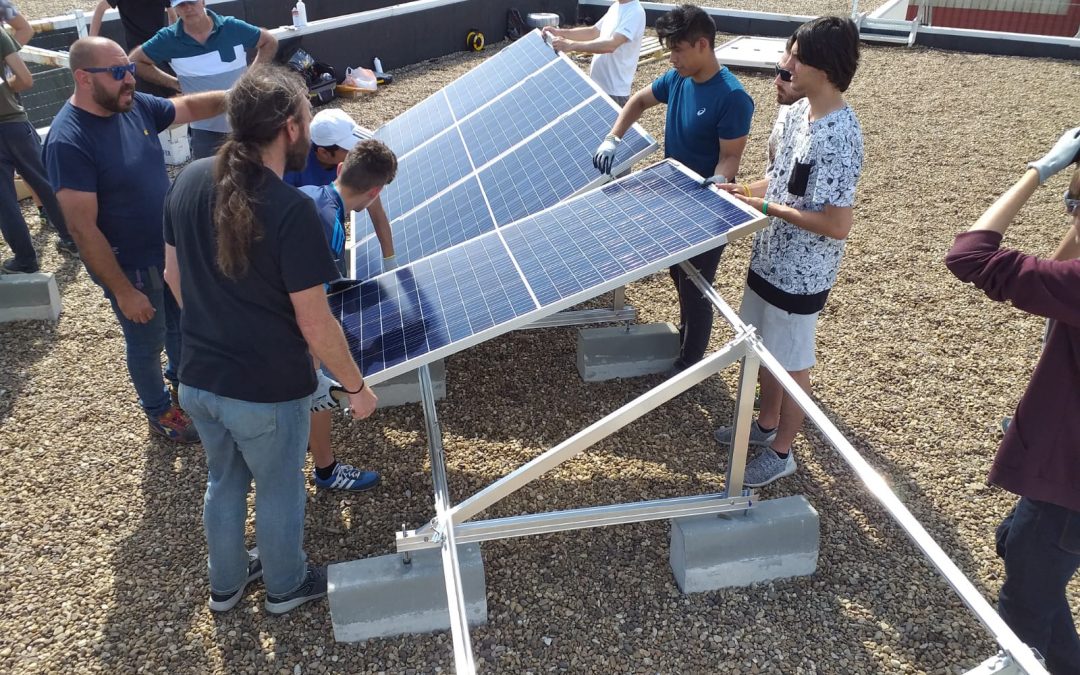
<point>1039,456</point>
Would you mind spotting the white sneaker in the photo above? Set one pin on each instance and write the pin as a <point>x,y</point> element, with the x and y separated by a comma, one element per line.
<point>321,399</point>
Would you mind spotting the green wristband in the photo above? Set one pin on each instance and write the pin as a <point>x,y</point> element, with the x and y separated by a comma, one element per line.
<point>765,207</point>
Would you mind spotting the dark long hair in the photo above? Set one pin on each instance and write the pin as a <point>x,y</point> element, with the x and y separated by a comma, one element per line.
<point>259,105</point>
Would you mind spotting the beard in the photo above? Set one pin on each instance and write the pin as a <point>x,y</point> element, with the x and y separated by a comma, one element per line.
<point>112,103</point>
<point>297,153</point>
<point>787,97</point>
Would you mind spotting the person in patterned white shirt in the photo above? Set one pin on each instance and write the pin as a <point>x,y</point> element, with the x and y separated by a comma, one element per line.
<point>785,96</point>
<point>808,194</point>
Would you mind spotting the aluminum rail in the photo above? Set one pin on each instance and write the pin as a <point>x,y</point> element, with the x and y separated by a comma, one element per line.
<point>879,489</point>
<point>464,663</point>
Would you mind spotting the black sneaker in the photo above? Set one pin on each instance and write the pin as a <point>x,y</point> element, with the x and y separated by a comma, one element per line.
<point>313,588</point>
<point>11,266</point>
<point>223,602</point>
<point>67,247</point>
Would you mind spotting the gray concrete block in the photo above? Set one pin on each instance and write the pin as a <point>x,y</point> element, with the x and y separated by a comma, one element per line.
<point>775,539</point>
<point>405,388</point>
<point>382,596</point>
<point>29,297</point>
<point>613,351</point>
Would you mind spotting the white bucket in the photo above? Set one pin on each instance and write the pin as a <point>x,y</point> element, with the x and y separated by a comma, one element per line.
<point>174,141</point>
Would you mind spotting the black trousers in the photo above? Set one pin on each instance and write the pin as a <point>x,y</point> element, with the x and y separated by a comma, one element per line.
<point>695,311</point>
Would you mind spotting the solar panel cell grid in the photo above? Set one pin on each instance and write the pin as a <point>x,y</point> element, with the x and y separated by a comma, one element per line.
<point>423,174</point>
<point>576,250</point>
<point>527,108</point>
<point>416,125</point>
<point>499,73</point>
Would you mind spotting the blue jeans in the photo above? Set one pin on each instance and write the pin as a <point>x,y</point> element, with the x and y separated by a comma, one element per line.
<point>144,341</point>
<point>205,143</point>
<point>1040,544</point>
<point>267,442</point>
<point>20,150</point>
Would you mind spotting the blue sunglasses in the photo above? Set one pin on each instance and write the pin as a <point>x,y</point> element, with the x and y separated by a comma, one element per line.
<point>118,72</point>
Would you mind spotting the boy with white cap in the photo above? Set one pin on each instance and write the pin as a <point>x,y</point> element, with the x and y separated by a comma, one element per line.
<point>333,135</point>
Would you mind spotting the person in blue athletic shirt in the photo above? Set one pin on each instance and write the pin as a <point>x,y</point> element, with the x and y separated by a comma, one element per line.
<point>708,119</point>
<point>105,162</point>
<point>366,169</point>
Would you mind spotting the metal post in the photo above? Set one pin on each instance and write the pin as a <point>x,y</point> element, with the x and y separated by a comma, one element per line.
<point>455,596</point>
<point>879,489</point>
<point>740,440</point>
<point>618,298</point>
<point>80,23</point>
<point>601,429</point>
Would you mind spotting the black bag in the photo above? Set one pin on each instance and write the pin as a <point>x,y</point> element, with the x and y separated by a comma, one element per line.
<point>515,25</point>
<point>319,77</point>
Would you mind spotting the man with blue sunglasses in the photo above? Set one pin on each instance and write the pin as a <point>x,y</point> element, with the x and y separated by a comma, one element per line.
<point>105,162</point>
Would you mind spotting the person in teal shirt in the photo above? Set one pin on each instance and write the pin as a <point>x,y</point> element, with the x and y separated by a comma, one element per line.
<point>708,120</point>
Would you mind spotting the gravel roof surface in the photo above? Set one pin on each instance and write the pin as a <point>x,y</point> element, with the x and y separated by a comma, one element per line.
<point>103,562</point>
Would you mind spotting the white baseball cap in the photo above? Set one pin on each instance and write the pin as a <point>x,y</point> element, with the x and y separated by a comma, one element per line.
<point>335,127</point>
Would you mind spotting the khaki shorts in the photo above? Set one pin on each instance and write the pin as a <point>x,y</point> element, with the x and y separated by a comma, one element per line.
<point>788,337</point>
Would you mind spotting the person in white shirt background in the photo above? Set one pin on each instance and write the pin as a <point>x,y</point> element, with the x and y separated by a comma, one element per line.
<point>615,40</point>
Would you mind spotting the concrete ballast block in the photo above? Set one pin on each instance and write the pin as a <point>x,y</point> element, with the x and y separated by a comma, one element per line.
<point>383,596</point>
<point>26,297</point>
<point>774,539</point>
<point>405,388</point>
<point>614,351</point>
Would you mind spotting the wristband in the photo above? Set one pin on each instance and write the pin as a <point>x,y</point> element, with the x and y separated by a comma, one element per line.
<point>362,385</point>
<point>765,207</point>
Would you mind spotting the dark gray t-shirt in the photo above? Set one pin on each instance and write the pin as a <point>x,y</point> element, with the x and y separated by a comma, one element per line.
<point>241,339</point>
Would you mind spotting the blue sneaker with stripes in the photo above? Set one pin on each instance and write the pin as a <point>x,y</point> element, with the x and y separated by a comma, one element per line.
<point>347,477</point>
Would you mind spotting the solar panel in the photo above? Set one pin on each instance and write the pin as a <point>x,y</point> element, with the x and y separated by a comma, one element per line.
<point>417,124</point>
<point>499,73</point>
<point>516,274</point>
<point>520,138</point>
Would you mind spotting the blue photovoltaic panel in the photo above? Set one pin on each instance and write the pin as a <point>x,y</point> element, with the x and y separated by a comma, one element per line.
<point>440,300</point>
<point>554,165</point>
<point>617,230</point>
<point>416,125</point>
<point>455,216</point>
<point>499,73</point>
<point>525,109</point>
<point>610,236</point>
<point>424,173</point>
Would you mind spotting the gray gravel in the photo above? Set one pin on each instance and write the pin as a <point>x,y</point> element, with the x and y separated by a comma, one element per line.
<point>103,562</point>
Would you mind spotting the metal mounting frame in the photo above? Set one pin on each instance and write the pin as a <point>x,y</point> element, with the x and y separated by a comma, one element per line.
<point>452,524</point>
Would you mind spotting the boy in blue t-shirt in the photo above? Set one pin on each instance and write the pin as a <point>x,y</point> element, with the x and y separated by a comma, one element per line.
<point>367,168</point>
<point>708,119</point>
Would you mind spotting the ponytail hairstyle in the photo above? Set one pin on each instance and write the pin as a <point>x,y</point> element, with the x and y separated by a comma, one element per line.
<point>259,105</point>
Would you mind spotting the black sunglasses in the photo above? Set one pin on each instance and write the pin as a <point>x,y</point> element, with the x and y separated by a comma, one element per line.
<point>118,72</point>
<point>785,75</point>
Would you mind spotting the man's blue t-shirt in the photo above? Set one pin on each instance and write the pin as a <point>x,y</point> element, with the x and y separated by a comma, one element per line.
<point>332,214</point>
<point>699,116</point>
<point>313,173</point>
<point>120,158</point>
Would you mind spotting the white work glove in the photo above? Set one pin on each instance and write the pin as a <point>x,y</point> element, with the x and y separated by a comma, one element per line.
<point>1065,152</point>
<point>604,158</point>
<point>389,263</point>
<point>715,180</point>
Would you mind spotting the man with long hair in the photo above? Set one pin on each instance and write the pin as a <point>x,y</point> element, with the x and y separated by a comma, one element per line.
<point>1039,456</point>
<point>708,120</point>
<point>247,259</point>
<point>105,161</point>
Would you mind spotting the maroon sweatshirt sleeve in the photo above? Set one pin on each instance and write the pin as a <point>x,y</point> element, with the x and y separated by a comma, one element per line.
<point>1043,287</point>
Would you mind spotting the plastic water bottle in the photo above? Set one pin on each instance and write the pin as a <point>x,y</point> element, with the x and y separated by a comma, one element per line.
<point>300,17</point>
<point>378,65</point>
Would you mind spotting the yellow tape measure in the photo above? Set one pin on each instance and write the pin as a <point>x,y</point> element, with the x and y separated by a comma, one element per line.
<point>475,41</point>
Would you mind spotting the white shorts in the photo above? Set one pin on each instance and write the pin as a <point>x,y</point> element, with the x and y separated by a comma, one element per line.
<point>789,337</point>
